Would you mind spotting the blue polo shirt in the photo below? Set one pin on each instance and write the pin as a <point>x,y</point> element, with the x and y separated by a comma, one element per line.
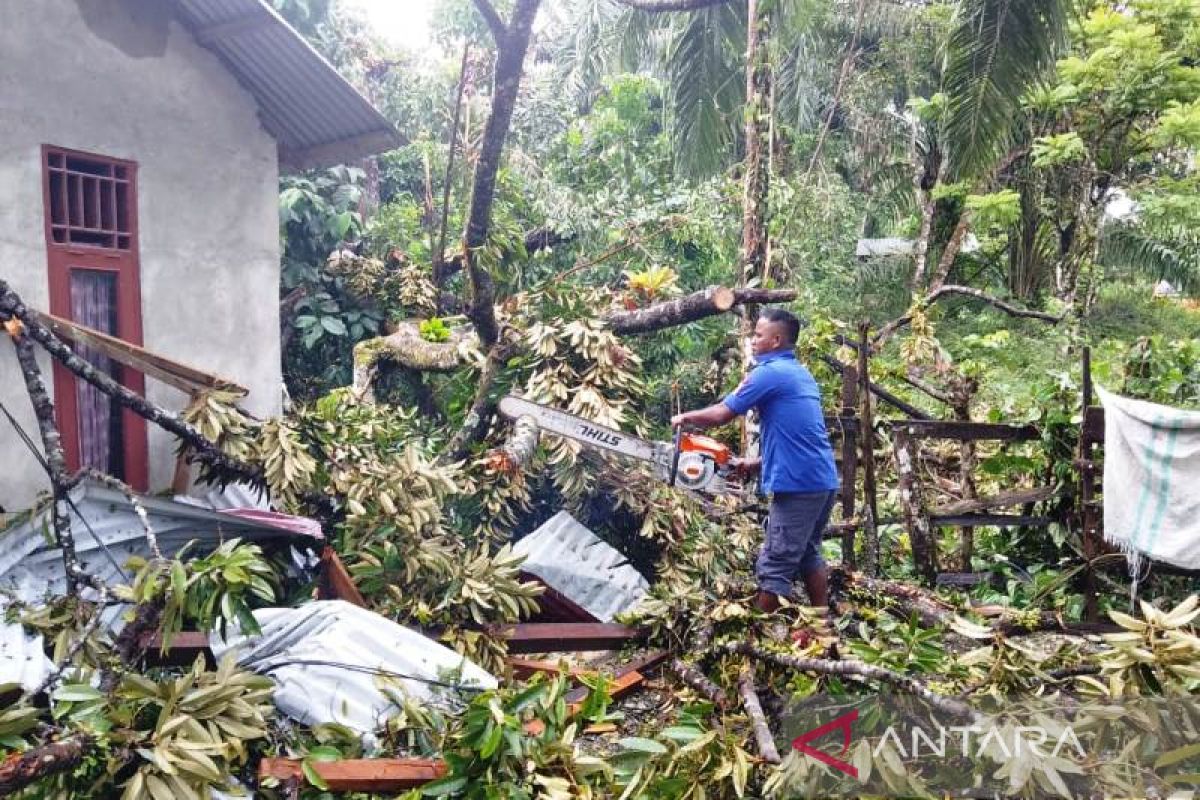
<point>796,454</point>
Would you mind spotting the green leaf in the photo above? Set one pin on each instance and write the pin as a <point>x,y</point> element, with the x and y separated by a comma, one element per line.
<point>642,745</point>
<point>77,691</point>
<point>443,786</point>
<point>334,326</point>
<point>310,774</point>
<point>1177,755</point>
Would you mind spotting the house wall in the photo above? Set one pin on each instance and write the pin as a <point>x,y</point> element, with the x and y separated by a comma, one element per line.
<point>120,78</point>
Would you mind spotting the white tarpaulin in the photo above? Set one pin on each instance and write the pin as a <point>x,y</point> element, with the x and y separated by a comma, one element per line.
<point>332,662</point>
<point>1151,481</point>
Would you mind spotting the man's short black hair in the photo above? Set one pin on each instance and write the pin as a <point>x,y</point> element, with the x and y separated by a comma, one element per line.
<point>781,316</point>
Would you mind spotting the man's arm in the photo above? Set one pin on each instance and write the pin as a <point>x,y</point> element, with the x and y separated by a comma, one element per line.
<point>711,417</point>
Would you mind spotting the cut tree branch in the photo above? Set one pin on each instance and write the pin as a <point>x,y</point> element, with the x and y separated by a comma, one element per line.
<point>483,407</point>
<point>694,678</point>
<point>407,348</point>
<point>19,770</point>
<point>690,308</point>
<point>943,291</point>
<point>762,731</point>
<point>205,451</point>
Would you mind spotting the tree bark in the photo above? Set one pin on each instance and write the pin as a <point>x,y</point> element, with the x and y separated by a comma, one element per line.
<point>206,452</point>
<point>694,678</point>
<point>55,456</point>
<point>19,770</point>
<point>406,348</point>
<point>690,308</point>
<point>762,731</point>
<point>756,180</point>
<point>920,532</point>
<point>512,41</point>
<point>950,252</point>
<point>522,443</point>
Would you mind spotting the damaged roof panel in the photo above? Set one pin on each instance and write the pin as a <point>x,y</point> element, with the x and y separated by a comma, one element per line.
<point>582,567</point>
<point>109,532</point>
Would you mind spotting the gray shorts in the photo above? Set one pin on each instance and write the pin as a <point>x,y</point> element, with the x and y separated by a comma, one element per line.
<point>792,546</point>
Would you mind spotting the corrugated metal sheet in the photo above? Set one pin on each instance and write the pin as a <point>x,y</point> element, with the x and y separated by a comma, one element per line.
<point>317,117</point>
<point>332,661</point>
<point>107,532</point>
<point>882,248</point>
<point>22,657</point>
<point>582,567</point>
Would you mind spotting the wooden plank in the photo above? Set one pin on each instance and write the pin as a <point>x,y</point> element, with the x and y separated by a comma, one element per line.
<point>335,582</point>
<point>527,667</point>
<point>181,376</point>
<point>359,774</point>
<point>968,431</point>
<point>566,637</point>
<point>184,648</point>
<point>1093,425</point>
<point>999,520</point>
<point>626,679</point>
<point>1003,500</point>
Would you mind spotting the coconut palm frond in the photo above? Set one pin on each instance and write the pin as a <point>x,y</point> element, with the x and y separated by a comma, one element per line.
<point>706,87</point>
<point>999,48</point>
<point>1172,254</point>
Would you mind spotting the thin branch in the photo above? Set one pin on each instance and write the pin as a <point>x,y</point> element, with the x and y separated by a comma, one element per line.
<point>851,54</point>
<point>762,731</point>
<point>692,677</point>
<point>88,629</point>
<point>657,6</point>
<point>19,770</point>
<point>483,407</point>
<point>499,31</point>
<point>889,329</point>
<point>671,222</point>
<point>856,669</point>
<point>439,253</point>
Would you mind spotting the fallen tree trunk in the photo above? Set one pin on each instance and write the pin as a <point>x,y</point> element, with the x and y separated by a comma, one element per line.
<point>691,307</point>
<point>518,450</point>
<point>19,770</point>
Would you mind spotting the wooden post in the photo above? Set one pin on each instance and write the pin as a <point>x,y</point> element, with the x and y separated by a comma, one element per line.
<point>849,462</point>
<point>866,440</point>
<point>920,532</point>
<point>1087,498</point>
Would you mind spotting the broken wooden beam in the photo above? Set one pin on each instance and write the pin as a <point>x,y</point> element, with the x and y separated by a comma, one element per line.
<point>968,431</point>
<point>998,520</point>
<point>1003,500</point>
<point>359,774</point>
<point>182,652</point>
<point>527,667</point>
<point>568,637</point>
<point>335,582</point>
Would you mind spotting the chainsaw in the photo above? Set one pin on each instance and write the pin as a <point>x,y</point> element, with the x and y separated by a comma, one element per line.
<point>692,461</point>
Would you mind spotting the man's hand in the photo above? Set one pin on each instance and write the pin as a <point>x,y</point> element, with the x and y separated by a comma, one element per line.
<point>679,420</point>
<point>745,467</point>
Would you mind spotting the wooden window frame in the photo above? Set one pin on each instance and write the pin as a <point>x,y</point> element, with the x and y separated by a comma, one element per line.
<point>123,264</point>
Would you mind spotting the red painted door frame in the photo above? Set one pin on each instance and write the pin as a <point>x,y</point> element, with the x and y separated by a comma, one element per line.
<point>123,265</point>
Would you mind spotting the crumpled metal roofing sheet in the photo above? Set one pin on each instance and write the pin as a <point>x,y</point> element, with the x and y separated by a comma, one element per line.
<point>330,659</point>
<point>31,566</point>
<point>22,657</point>
<point>582,567</point>
<point>317,117</point>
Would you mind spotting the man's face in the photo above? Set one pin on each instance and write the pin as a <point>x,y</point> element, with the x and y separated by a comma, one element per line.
<point>768,336</point>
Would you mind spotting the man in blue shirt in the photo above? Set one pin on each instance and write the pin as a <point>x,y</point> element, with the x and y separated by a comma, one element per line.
<point>798,472</point>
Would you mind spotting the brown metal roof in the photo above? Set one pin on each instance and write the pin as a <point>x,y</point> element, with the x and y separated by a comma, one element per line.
<point>317,117</point>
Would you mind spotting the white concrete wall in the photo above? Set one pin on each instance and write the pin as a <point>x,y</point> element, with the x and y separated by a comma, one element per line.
<point>128,82</point>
